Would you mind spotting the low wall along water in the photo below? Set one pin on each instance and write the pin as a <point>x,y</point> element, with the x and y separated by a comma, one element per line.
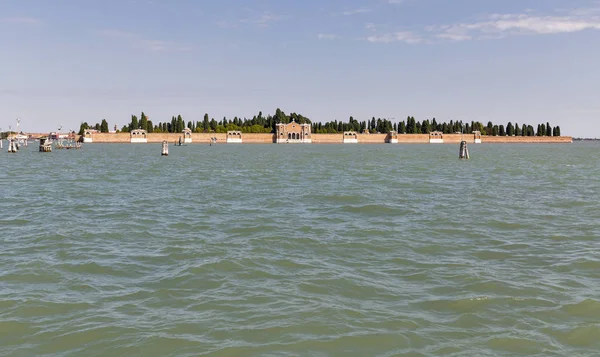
<point>252,138</point>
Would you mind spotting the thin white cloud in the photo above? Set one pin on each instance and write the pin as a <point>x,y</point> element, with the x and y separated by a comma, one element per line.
<point>328,36</point>
<point>401,36</point>
<point>261,19</point>
<point>503,25</point>
<point>20,20</point>
<point>267,18</point>
<point>362,10</point>
<point>148,44</point>
<point>497,26</point>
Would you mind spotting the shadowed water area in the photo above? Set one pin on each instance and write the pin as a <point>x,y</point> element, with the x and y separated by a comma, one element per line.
<point>300,250</point>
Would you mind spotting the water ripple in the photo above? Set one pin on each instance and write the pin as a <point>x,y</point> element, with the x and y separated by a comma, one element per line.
<point>333,250</point>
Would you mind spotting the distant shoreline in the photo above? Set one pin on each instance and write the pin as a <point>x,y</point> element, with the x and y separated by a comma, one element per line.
<point>339,138</point>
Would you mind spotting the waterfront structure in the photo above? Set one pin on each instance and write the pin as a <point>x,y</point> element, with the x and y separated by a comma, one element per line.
<point>88,135</point>
<point>45,144</point>
<point>392,137</point>
<point>293,133</point>
<point>477,137</point>
<point>234,137</point>
<point>187,136</point>
<point>350,137</point>
<point>436,137</point>
<point>138,136</point>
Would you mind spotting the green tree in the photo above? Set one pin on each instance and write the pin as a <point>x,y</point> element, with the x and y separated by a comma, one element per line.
<point>206,123</point>
<point>558,131</point>
<point>104,126</point>
<point>548,130</point>
<point>402,127</point>
<point>150,126</point>
<point>425,127</point>
<point>179,124</point>
<point>495,130</point>
<point>510,130</point>
<point>134,123</point>
<point>143,122</point>
<point>83,127</point>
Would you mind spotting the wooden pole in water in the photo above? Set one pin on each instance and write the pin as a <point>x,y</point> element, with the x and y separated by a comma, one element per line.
<point>165,148</point>
<point>463,152</point>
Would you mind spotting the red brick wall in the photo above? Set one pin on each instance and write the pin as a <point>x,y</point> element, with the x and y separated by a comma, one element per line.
<point>247,138</point>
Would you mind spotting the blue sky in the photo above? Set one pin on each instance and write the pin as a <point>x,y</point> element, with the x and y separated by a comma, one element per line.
<point>68,61</point>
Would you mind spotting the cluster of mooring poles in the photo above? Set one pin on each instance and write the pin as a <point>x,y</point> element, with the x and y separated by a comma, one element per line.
<point>13,146</point>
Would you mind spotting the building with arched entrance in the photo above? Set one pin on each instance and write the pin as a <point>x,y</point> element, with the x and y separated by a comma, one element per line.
<point>293,133</point>
<point>350,137</point>
<point>88,135</point>
<point>436,137</point>
<point>138,136</point>
<point>187,136</point>
<point>234,137</point>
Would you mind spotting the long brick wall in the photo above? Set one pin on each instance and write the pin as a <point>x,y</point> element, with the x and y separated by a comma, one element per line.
<point>526,139</point>
<point>249,138</point>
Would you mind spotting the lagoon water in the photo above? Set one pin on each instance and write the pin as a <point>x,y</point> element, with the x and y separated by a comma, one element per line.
<point>300,250</point>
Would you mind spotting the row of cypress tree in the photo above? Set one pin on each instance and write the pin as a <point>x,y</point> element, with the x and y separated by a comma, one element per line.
<point>266,124</point>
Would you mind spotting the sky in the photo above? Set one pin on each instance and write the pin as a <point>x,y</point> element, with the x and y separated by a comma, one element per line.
<point>64,62</point>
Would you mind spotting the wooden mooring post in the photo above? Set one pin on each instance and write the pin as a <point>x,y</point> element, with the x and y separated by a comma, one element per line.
<point>12,146</point>
<point>463,152</point>
<point>165,148</point>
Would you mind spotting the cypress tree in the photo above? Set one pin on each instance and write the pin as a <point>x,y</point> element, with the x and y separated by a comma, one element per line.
<point>206,122</point>
<point>510,131</point>
<point>104,126</point>
<point>548,130</point>
<point>495,130</point>
<point>402,128</point>
<point>143,122</point>
<point>134,123</point>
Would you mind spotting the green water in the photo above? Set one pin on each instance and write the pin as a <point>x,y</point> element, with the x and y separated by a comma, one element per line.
<point>300,250</point>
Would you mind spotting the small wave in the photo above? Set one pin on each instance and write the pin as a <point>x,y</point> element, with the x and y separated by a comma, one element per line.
<point>587,308</point>
<point>585,336</point>
<point>516,345</point>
